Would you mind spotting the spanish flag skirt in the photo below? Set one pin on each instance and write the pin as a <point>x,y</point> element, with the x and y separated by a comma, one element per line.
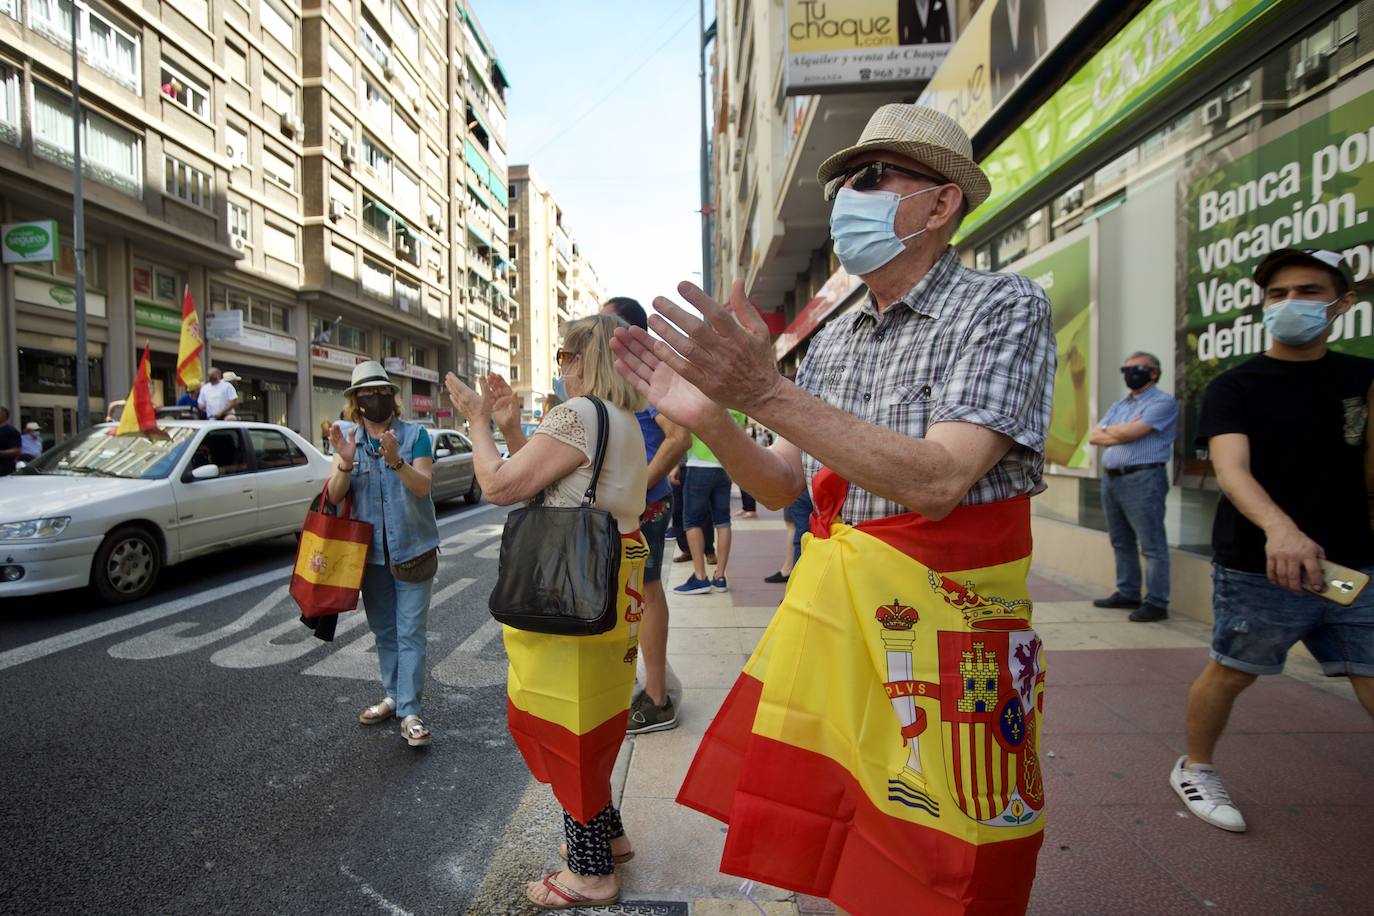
<point>568,697</point>
<point>881,747</point>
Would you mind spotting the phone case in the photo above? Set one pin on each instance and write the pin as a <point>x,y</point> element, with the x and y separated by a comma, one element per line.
<point>1343,584</point>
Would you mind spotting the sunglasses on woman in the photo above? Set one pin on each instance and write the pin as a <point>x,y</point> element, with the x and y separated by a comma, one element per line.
<point>868,176</point>
<point>564,356</point>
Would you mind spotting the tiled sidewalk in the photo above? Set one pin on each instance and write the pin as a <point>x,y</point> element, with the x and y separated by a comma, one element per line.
<point>1298,757</point>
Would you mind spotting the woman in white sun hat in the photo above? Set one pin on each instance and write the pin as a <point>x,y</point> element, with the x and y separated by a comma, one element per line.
<point>385,462</point>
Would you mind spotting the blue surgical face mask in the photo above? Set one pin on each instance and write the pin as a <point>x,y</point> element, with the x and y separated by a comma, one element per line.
<point>863,226</point>
<point>1297,321</point>
<point>560,388</point>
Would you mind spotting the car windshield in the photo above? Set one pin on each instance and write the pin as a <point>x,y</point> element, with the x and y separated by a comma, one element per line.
<point>96,453</point>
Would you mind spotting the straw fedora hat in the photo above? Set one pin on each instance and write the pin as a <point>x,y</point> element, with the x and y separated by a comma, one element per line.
<point>921,134</point>
<point>367,374</point>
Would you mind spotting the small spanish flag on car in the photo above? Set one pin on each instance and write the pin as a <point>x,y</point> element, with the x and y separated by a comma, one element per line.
<point>881,747</point>
<point>140,416</point>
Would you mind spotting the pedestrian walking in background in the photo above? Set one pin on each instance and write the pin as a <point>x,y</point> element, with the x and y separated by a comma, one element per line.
<point>1288,434</point>
<point>707,496</point>
<point>1137,437</point>
<point>797,517</point>
<point>325,426</point>
<point>385,464</point>
<point>31,443</point>
<point>678,478</point>
<point>11,444</point>
<point>568,697</point>
<point>218,397</point>
<point>919,419</point>
<point>665,443</point>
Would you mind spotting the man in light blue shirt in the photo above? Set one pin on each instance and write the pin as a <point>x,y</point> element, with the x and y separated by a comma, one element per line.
<point>1137,434</point>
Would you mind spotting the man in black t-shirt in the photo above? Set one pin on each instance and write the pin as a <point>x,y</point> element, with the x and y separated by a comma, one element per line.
<point>11,443</point>
<point>1287,436</point>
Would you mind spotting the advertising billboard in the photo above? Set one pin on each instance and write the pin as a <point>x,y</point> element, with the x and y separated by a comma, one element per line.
<point>848,45</point>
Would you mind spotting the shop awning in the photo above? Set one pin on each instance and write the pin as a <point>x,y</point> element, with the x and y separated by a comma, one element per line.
<point>480,192</point>
<point>473,231</point>
<point>500,72</point>
<point>833,294</point>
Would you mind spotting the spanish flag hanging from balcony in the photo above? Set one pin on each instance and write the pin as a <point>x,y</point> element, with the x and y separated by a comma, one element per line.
<point>140,416</point>
<point>881,747</point>
<point>192,343</point>
<point>568,697</point>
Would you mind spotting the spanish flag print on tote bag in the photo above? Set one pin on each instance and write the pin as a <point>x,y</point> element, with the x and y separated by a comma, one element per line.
<point>328,575</point>
<point>881,747</point>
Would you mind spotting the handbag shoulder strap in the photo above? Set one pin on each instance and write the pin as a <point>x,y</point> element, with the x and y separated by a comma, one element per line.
<point>602,435</point>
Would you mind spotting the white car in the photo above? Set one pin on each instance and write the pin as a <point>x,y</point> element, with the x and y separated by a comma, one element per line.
<point>110,512</point>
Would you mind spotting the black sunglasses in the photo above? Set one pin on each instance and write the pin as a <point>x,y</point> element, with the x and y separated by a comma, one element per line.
<point>868,176</point>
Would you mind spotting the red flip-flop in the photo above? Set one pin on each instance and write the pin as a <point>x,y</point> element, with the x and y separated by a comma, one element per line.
<point>571,898</point>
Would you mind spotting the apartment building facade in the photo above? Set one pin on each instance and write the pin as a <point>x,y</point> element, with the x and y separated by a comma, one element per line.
<point>553,283</point>
<point>304,169</point>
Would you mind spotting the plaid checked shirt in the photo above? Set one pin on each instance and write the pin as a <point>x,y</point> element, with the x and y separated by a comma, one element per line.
<point>963,345</point>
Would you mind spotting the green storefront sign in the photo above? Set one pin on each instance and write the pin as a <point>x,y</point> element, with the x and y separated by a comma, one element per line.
<point>1309,187</point>
<point>148,315</point>
<point>1067,276</point>
<point>29,243</point>
<point>1145,59</point>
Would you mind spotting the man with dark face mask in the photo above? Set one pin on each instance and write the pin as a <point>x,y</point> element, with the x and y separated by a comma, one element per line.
<point>1137,437</point>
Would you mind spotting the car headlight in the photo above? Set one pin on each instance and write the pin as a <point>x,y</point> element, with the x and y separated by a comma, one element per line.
<point>34,528</point>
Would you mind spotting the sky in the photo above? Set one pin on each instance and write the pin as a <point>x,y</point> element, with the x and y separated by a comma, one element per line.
<point>604,105</point>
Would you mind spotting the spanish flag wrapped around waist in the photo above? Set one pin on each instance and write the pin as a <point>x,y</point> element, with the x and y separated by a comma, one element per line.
<point>881,747</point>
<point>568,697</point>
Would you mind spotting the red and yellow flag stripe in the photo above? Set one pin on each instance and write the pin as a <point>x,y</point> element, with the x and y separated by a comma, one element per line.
<point>881,747</point>
<point>568,697</point>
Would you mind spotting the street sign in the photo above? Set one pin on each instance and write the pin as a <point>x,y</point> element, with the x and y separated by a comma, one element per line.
<point>224,325</point>
<point>29,243</point>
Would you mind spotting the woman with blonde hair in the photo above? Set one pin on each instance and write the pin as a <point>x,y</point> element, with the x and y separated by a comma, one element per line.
<point>385,464</point>
<point>568,697</point>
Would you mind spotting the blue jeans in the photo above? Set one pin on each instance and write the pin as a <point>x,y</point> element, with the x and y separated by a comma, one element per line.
<point>1255,623</point>
<point>799,514</point>
<point>653,534</point>
<point>1134,504</point>
<point>398,613</point>
<point>707,494</point>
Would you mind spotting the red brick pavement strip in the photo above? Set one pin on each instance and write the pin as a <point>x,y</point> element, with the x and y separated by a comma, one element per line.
<point>1118,840</point>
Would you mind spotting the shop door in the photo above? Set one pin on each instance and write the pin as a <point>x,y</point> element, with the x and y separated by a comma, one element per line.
<point>222,510</point>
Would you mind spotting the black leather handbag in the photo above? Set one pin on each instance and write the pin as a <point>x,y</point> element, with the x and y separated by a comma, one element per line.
<point>560,567</point>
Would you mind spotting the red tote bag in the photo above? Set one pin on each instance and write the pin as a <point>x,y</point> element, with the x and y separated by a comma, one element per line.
<point>329,562</point>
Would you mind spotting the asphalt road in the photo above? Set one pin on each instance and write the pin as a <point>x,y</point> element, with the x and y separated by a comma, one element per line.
<point>199,751</point>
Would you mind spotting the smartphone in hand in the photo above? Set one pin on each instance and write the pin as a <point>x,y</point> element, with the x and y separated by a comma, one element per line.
<point>1342,584</point>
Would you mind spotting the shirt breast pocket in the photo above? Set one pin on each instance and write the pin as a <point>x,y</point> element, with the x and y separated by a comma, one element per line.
<point>908,408</point>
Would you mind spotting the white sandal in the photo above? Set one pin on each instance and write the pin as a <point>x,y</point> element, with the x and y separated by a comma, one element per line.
<point>415,732</point>
<point>378,712</point>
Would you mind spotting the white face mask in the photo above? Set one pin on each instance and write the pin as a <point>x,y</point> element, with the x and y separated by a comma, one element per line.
<point>863,225</point>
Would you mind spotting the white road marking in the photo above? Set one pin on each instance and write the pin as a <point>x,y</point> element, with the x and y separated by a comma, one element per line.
<point>262,649</point>
<point>464,667</point>
<point>358,660</point>
<point>470,513</point>
<point>466,540</point>
<point>45,647</point>
<point>168,641</point>
<point>368,891</point>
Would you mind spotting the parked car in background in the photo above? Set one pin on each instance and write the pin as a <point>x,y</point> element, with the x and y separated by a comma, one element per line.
<point>111,512</point>
<point>453,473</point>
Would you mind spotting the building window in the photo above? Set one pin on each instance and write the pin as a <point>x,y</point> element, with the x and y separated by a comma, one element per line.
<point>338,334</point>
<point>108,46</point>
<point>377,160</point>
<point>278,95</point>
<point>431,62</point>
<point>391,348</point>
<point>376,219</point>
<point>377,104</point>
<point>10,130</point>
<point>514,285</point>
<point>235,146</point>
<point>279,241</point>
<point>513,222</point>
<point>185,182</point>
<point>112,155</point>
<point>407,190</point>
<point>378,281</point>
<point>515,343</point>
<point>407,34</point>
<point>405,139</point>
<point>10,8</point>
<point>186,92</point>
<point>434,214</point>
<point>238,222</point>
<point>419,356</point>
<point>342,262</point>
<point>407,296</point>
<point>407,244</point>
<point>236,63</point>
<point>515,373</point>
<point>278,170</point>
<point>370,37</point>
<point>278,23</point>
<point>340,62</point>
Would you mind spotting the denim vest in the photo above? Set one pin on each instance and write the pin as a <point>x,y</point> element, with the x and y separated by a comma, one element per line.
<point>380,499</point>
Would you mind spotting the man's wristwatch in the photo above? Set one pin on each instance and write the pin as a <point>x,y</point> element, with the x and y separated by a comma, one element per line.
<point>400,462</point>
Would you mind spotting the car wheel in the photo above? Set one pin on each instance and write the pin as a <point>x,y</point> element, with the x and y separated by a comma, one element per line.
<point>126,566</point>
<point>474,492</point>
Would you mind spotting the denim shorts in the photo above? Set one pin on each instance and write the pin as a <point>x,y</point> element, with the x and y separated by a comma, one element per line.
<point>706,498</point>
<point>1255,622</point>
<point>653,532</point>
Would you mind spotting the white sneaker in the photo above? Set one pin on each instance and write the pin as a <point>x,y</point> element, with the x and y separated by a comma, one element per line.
<point>1201,790</point>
